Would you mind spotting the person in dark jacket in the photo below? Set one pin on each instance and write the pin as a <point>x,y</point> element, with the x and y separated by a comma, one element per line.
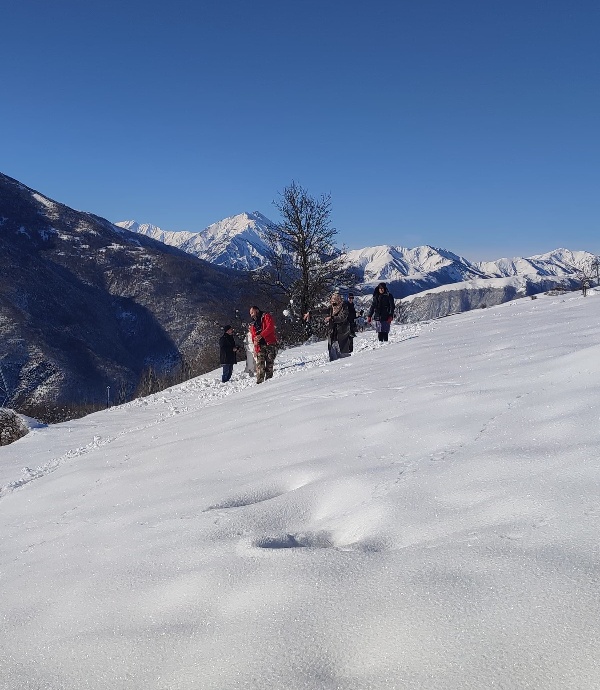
<point>339,342</point>
<point>382,311</point>
<point>351,314</point>
<point>227,352</point>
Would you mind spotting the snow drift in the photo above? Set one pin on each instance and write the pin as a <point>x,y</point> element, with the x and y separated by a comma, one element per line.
<point>424,515</point>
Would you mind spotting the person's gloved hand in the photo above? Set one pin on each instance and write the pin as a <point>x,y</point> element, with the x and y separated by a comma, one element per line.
<point>389,319</point>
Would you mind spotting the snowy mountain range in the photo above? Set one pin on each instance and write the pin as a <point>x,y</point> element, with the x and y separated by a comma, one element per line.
<point>239,242</point>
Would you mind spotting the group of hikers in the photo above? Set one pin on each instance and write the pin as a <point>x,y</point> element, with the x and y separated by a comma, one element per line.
<point>341,321</point>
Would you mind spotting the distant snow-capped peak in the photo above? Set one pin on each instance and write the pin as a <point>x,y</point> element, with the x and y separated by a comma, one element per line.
<point>391,264</point>
<point>558,262</point>
<point>134,226</point>
<point>236,242</point>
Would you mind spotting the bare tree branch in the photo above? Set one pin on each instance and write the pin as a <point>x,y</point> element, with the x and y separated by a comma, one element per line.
<point>585,271</point>
<point>313,266</point>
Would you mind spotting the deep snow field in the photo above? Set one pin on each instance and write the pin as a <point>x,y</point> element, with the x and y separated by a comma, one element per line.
<point>423,515</point>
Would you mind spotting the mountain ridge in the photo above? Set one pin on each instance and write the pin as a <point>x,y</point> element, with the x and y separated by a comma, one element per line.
<point>238,242</point>
<point>86,305</point>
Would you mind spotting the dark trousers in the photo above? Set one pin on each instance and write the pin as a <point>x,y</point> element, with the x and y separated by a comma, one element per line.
<point>382,328</point>
<point>227,371</point>
<point>265,359</point>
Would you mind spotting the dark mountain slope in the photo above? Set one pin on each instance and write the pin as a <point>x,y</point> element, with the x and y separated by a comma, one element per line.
<point>85,305</point>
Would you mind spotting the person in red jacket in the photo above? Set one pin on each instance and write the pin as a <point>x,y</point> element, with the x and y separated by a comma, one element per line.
<point>265,343</point>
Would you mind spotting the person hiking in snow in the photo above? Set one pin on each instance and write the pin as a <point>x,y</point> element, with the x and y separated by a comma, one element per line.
<point>250,359</point>
<point>264,338</point>
<point>360,321</point>
<point>351,314</point>
<point>339,341</point>
<point>382,311</point>
<point>227,352</point>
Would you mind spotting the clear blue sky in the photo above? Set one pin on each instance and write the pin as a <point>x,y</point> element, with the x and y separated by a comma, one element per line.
<point>472,125</point>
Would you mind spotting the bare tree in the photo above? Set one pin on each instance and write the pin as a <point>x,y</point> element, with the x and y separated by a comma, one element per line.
<point>595,266</point>
<point>304,263</point>
<point>585,272</point>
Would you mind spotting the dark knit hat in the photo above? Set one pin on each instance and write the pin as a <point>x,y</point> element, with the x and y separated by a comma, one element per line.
<point>226,328</point>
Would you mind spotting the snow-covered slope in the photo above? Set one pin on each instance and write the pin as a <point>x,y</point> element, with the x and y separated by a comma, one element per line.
<point>423,516</point>
<point>479,293</point>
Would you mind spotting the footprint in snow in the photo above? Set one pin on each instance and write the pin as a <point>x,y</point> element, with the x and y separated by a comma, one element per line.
<point>245,499</point>
<point>315,540</point>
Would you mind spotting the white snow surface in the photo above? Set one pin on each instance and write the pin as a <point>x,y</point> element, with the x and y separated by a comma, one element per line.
<point>44,201</point>
<point>422,515</point>
<point>519,282</point>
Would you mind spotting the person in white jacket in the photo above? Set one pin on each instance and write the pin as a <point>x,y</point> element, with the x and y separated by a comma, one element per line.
<point>250,360</point>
